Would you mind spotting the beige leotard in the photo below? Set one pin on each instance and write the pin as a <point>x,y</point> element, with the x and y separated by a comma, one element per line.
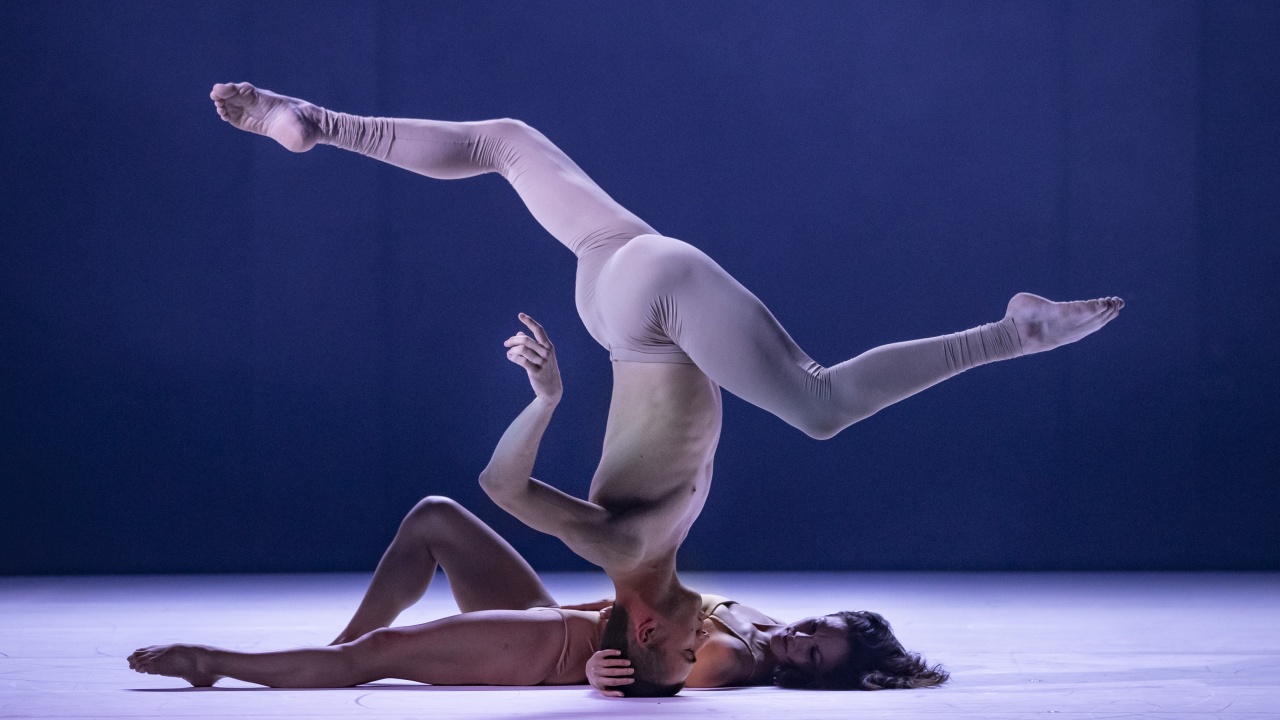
<point>582,631</point>
<point>735,660</point>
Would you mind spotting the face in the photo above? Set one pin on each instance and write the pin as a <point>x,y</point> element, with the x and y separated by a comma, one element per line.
<point>815,645</point>
<point>677,638</point>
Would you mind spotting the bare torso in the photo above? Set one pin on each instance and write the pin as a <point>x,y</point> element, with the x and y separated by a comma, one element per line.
<point>659,445</point>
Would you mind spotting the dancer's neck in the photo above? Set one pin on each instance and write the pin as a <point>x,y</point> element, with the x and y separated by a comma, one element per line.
<point>655,587</point>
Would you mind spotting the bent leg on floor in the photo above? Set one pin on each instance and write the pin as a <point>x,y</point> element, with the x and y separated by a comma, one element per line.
<point>484,571</point>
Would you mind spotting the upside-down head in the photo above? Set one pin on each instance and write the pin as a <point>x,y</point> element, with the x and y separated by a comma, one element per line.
<point>661,649</point>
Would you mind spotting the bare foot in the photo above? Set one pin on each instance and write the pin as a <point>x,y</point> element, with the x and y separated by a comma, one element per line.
<point>184,661</point>
<point>288,121</point>
<point>1044,325</point>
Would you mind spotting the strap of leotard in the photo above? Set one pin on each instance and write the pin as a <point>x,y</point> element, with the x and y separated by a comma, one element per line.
<point>755,661</point>
<point>564,649</point>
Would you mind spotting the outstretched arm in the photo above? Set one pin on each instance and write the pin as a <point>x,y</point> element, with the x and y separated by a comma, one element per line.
<point>588,529</point>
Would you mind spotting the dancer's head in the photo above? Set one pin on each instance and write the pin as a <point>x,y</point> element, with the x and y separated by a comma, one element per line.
<point>848,651</point>
<point>660,647</point>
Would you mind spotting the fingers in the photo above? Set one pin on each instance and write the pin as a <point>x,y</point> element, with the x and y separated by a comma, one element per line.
<point>527,353</point>
<point>607,669</point>
<point>523,362</point>
<point>522,340</point>
<point>534,350</point>
<point>538,332</point>
<point>533,353</point>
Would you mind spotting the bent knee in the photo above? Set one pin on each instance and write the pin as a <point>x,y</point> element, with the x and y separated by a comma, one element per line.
<point>820,431</point>
<point>511,128</point>
<point>432,510</point>
<point>823,425</point>
<point>831,421</point>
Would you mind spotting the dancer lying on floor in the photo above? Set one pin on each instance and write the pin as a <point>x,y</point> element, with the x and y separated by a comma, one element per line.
<point>505,605</point>
<point>678,328</point>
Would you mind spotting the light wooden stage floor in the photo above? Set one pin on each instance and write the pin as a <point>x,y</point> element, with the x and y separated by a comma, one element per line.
<point>1019,645</point>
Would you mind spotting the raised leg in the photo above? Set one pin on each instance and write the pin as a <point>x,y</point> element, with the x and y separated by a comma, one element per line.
<point>732,337</point>
<point>495,647</point>
<point>485,572</point>
<point>556,191</point>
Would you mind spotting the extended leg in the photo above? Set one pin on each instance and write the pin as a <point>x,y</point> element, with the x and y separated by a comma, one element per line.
<point>747,352</point>
<point>494,647</point>
<point>557,192</point>
<point>485,572</point>
<point>732,337</point>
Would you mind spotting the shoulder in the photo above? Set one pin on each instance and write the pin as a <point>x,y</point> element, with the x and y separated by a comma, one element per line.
<point>722,662</point>
<point>711,602</point>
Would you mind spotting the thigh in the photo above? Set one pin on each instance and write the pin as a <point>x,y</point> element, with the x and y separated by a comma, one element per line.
<point>497,647</point>
<point>669,301</point>
<point>587,289</point>
<point>484,571</point>
<point>635,296</point>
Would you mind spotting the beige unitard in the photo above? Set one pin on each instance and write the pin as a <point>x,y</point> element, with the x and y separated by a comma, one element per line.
<point>650,298</point>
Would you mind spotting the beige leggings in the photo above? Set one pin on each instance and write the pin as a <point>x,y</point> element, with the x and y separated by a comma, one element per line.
<point>650,298</point>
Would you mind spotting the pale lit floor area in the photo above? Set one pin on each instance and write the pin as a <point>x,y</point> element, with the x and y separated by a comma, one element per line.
<point>1018,645</point>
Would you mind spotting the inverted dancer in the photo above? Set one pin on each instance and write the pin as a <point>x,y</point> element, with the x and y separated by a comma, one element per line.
<point>511,632</point>
<point>678,328</point>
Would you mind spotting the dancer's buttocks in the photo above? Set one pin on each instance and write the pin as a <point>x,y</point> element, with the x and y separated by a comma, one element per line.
<point>637,297</point>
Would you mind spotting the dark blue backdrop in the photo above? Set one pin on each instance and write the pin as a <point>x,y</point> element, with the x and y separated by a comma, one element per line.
<point>220,356</point>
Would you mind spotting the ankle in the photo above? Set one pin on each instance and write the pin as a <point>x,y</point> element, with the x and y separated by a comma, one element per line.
<point>370,136</point>
<point>1012,336</point>
<point>208,661</point>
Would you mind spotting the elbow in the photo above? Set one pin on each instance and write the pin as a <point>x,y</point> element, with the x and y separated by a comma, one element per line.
<point>491,484</point>
<point>500,488</point>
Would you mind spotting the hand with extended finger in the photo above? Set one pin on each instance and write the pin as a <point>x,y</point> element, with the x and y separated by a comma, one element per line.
<point>606,672</point>
<point>538,357</point>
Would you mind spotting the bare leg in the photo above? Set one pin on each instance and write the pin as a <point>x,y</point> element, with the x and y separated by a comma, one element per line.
<point>485,572</point>
<point>494,647</point>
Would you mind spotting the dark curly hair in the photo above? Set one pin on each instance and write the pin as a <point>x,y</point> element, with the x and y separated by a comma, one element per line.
<point>877,661</point>
<point>646,662</point>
